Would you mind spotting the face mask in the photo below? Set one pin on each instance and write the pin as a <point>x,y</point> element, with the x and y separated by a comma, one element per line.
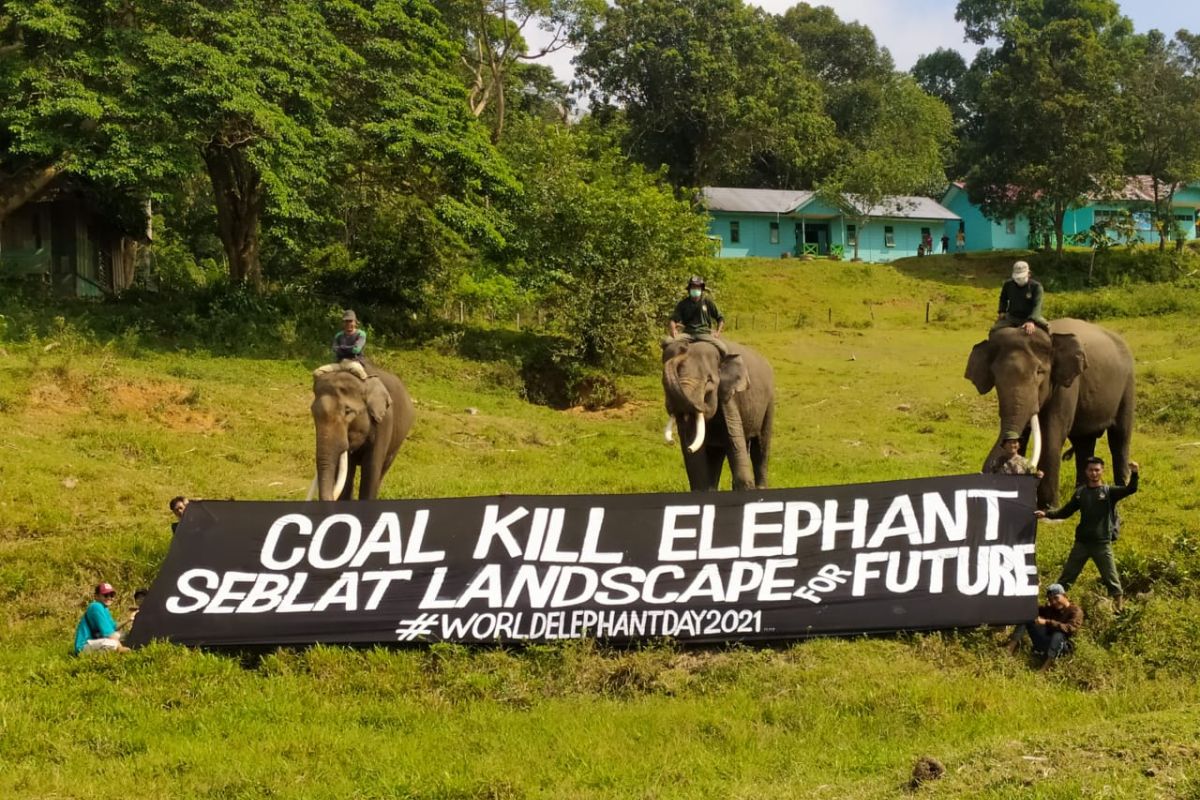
<point>694,293</point>
<point>1021,281</point>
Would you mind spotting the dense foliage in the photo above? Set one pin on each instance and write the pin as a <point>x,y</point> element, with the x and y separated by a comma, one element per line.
<point>416,156</point>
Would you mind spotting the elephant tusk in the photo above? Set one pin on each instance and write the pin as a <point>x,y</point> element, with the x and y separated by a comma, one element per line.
<point>312,490</point>
<point>698,441</point>
<point>668,434</point>
<point>1035,440</point>
<point>340,483</point>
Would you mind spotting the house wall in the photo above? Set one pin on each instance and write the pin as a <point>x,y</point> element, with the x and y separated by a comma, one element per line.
<point>754,235</point>
<point>981,232</point>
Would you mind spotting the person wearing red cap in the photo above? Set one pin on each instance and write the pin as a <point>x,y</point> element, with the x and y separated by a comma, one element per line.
<point>97,630</point>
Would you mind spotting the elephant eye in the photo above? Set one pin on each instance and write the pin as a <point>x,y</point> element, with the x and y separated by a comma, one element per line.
<point>348,411</point>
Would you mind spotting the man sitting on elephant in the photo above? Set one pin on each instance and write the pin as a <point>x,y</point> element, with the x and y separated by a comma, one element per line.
<point>695,315</point>
<point>348,344</point>
<point>1010,461</point>
<point>1021,302</point>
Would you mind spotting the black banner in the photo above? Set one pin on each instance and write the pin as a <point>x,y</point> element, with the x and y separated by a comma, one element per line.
<point>916,554</point>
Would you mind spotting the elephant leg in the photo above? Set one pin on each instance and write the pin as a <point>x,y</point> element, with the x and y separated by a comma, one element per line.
<point>696,465</point>
<point>1120,435</point>
<point>760,450</point>
<point>1055,419</point>
<point>1085,448</point>
<point>714,458</point>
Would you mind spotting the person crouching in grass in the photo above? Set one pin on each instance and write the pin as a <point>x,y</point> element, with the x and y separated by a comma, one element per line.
<point>97,630</point>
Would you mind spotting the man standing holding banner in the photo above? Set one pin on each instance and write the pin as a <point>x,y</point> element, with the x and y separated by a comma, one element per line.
<point>1096,503</point>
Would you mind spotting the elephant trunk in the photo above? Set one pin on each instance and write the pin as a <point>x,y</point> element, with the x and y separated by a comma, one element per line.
<point>332,468</point>
<point>739,455</point>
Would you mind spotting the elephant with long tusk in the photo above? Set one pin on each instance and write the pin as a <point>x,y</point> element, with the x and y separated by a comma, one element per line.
<point>723,407</point>
<point>360,425</point>
<point>1074,383</point>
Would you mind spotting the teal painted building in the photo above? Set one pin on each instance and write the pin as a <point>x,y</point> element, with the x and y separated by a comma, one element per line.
<point>981,233</point>
<point>774,223</point>
<point>1136,197</point>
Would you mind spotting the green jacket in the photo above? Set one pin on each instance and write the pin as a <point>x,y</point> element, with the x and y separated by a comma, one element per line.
<point>1097,510</point>
<point>1022,303</point>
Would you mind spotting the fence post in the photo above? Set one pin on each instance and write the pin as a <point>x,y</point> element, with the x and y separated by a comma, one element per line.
<point>926,312</point>
<point>831,315</point>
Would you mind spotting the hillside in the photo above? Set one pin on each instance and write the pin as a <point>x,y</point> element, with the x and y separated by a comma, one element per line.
<point>98,432</point>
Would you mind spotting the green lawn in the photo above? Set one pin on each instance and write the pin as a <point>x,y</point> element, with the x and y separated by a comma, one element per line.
<point>95,437</point>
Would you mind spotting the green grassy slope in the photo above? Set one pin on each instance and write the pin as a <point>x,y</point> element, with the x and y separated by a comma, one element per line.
<point>95,437</point>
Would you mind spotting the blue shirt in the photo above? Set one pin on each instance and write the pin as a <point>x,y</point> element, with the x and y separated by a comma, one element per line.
<point>97,623</point>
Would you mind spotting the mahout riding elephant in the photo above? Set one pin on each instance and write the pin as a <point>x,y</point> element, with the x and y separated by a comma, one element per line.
<point>360,425</point>
<point>1075,383</point>
<point>723,408</point>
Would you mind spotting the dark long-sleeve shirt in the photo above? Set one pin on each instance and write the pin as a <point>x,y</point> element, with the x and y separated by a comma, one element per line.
<point>697,316</point>
<point>1068,620</point>
<point>348,345</point>
<point>1096,510</point>
<point>1022,303</point>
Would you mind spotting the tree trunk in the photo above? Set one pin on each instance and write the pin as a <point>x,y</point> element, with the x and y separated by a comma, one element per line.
<point>21,188</point>
<point>238,191</point>
<point>1060,211</point>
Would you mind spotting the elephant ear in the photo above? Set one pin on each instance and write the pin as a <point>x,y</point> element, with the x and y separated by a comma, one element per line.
<point>979,367</point>
<point>378,399</point>
<point>734,376</point>
<point>1069,359</point>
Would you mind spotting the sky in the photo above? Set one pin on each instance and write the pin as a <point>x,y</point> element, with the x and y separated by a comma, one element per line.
<point>911,28</point>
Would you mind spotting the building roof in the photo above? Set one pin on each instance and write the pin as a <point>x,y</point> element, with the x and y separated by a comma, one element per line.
<point>1137,188</point>
<point>911,207</point>
<point>758,201</point>
<point>786,201</point>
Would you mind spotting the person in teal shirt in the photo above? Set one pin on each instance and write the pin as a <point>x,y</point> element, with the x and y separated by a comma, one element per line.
<point>97,630</point>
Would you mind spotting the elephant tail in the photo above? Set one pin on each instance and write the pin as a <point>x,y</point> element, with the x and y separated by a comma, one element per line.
<point>1067,456</point>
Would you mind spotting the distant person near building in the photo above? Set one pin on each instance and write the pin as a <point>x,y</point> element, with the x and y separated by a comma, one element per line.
<point>1021,302</point>
<point>960,241</point>
<point>695,316</point>
<point>945,243</point>
<point>97,630</point>
<point>1098,526</point>
<point>1051,631</point>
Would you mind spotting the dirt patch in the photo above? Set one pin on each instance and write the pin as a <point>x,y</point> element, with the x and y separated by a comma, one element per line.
<point>627,410</point>
<point>172,405</point>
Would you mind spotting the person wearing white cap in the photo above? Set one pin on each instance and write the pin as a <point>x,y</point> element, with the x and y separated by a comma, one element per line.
<point>1021,302</point>
<point>97,630</point>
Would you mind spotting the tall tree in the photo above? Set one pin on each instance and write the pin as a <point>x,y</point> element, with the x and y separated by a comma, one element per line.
<point>67,105</point>
<point>847,61</point>
<point>902,155</point>
<point>707,87</point>
<point>1048,111</point>
<point>1162,115</point>
<point>497,35</point>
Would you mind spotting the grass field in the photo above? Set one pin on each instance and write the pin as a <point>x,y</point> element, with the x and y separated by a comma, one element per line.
<point>96,435</point>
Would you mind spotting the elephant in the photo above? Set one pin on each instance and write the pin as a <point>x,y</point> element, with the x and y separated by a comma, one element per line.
<point>1074,383</point>
<point>723,408</point>
<point>360,424</point>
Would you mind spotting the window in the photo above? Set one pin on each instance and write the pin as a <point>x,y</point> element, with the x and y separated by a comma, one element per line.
<point>774,233</point>
<point>735,232</point>
<point>1105,218</point>
<point>889,236</point>
<point>1184,217</point>
<point>851,236</point>
<point>1010,226</point>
